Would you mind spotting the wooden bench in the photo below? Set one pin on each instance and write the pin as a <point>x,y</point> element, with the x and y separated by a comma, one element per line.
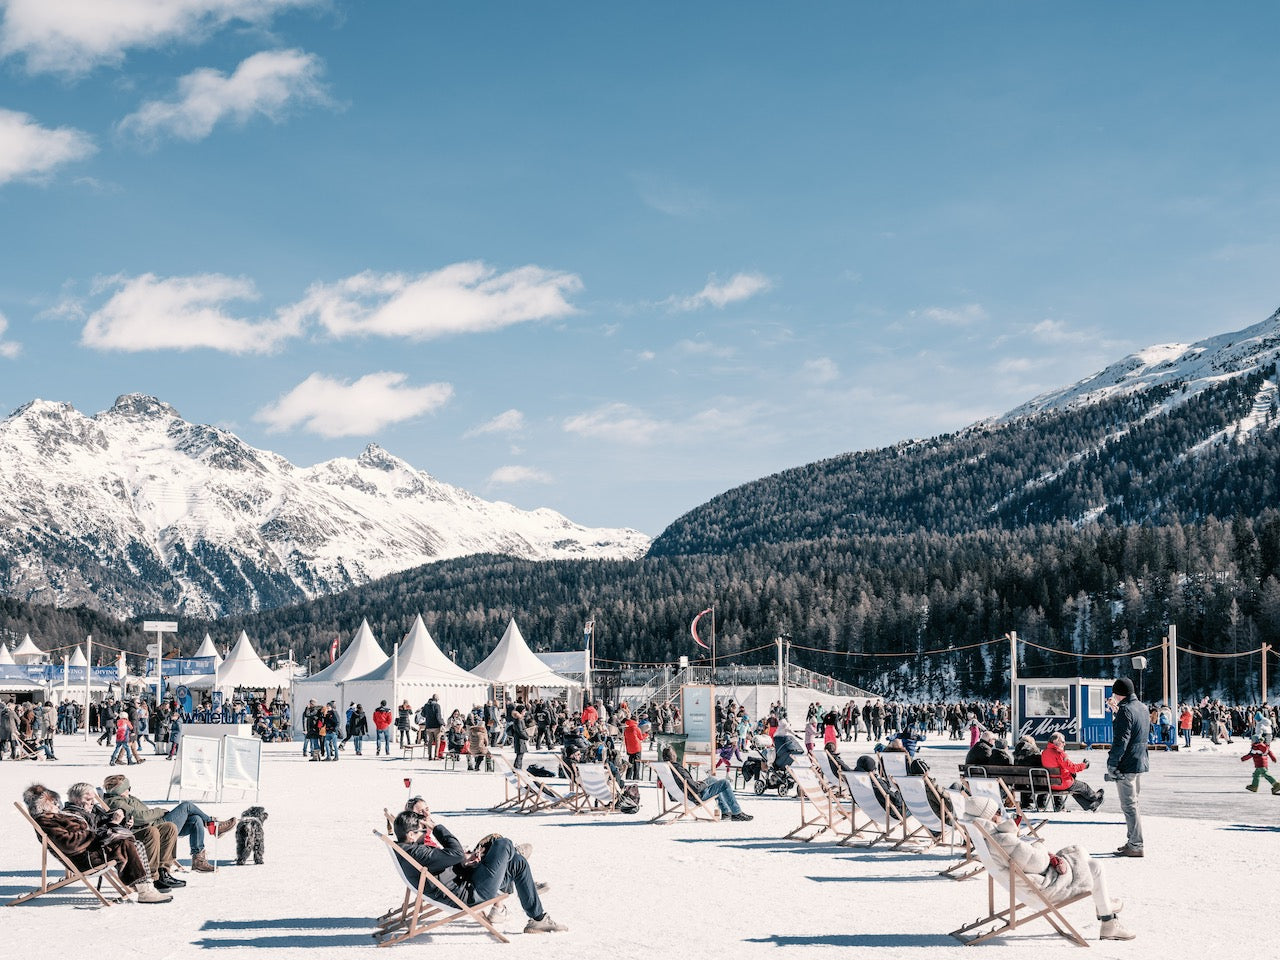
<point>1037,781</point>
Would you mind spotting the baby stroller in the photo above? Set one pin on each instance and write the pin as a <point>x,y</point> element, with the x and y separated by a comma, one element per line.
<point>768,777</point>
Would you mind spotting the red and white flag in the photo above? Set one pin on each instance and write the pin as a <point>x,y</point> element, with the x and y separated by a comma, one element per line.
<point>693,629</point>
<point>333,650</point>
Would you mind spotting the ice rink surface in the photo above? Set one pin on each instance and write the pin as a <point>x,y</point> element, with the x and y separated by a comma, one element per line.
<point>629,890</point>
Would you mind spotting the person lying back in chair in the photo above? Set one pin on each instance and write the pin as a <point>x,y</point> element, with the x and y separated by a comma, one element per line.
<point>721,790</point>
<point>474,876</point>
<point>1059,875</point>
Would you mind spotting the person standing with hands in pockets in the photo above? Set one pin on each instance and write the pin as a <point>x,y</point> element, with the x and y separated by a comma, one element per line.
<point>1127,761</point>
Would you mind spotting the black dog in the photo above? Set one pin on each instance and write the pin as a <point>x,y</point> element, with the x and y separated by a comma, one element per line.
<point>251,838</point>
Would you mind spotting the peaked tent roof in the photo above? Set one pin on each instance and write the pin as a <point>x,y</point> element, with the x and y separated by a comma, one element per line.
<point>362,655</point>
<point>207,649</point>
<point>27,648</point>
<point>77,658</point>
<point>244,668</point>
<point>512,663</point>
<point>422,662</point>
<point>6,658</point>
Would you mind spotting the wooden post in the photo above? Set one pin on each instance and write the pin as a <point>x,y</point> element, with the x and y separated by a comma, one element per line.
<point>1013,686</point>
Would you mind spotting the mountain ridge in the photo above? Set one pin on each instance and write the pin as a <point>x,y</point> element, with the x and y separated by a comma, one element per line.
<point>134,508</point>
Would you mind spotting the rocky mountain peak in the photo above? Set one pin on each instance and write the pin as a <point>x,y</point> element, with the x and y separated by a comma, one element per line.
<point>140,406</point>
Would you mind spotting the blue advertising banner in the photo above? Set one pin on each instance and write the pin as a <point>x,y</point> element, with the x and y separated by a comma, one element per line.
<point>48,673</point>
<point>182,666</point>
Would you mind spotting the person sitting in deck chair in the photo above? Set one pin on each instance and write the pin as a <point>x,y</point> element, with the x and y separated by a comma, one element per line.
<point>1059,875</point>
<point>475,876</point>
<point>87,844</point>
<point>722,790</point>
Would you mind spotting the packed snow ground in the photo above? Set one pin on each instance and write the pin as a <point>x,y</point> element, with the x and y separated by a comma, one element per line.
<point>629,890</point>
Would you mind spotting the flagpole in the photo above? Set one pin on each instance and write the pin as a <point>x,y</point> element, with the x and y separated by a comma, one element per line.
<point>88,672</point>
<point>713,644</point>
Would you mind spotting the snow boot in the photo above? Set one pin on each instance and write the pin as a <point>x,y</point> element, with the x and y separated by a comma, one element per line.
<point>1111,929</point>
<point>1275,788</point>
<point>147,893</point>
<point>1252,788</point>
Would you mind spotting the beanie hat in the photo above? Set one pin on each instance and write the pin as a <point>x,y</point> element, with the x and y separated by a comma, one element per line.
<point>115,785</point>
<point>1123,687</point>
<point>980,808</point>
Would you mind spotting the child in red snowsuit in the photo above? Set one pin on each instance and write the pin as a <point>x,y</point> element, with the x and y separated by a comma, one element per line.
<point>1260,753</point>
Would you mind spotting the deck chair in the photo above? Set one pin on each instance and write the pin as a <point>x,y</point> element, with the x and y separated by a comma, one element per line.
<point>894,764</point>
<point>71,873</point>
<point>419,912</point>
<point>969,865</point>
<point>995,789</point>
<point>880,817</point>
<point>930,829</point>
<point>598,790</point>
<point>675,803</point>
<point>830,774</point>
<point>1003,871</point>
<point>526,794</point>
<point>828,814</point>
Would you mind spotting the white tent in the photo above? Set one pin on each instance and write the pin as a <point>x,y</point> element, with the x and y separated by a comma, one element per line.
<point>363,654</point>
<point>27,651</point>
<point>244,668</point>
<point>513,664</point>
<point>207,649</point>
<point>77,658</point>
<point>6,658</point>
<point>423,669</point>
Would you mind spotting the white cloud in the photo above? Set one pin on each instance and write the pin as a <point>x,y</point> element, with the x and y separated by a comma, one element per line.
<point>704,348</point>
<point>821,370</point>
<point>462,298</point>
<point>1017,365</point>
<point>615,422</point>
<point>667,196</point>
<point>509,421</point>
<point>623,424</point>
<point>8,348</point>
<point>646,355</point>
<point>1055,331</point>
<point>953,316</point>
<point>512,476</point>
<point>338,408</point>
<point>265,84</point>
<point>30,150</point>
<point>741,286</point>
<point>180,313</point>
<point>71,37</point>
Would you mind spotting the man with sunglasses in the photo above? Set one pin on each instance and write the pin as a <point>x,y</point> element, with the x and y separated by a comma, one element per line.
<point>473,876</point>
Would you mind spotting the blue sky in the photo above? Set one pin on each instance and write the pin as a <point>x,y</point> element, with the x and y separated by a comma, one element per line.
<point>615,259</point>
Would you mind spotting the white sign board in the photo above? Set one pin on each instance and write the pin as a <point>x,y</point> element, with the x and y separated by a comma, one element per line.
<point>159,626</point>
<point>199,770</point>
<point>241,763</point>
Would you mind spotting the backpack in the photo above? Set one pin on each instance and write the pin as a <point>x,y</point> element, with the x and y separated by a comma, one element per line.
<point>629,801</point>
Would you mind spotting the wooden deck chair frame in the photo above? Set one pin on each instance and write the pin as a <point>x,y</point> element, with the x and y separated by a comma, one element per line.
<point>969,866</point>
<point>915,793</point>
<point>996,789</point>
<point>71,873</point>
<point>598,791</point>
<point>419,913</point>
<point>828,814</point>
<point>880,817</point>
<point>675,803</point>
<point>830,774</point>
<point>1000,869</point>
<point>527,794</point>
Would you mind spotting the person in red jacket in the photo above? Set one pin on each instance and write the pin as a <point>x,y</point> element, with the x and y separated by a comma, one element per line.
<point>1260,753</point>
<point>382,721</point>
<point>1184,726</point>
<point>1055,756</point>
<point>633,739</point>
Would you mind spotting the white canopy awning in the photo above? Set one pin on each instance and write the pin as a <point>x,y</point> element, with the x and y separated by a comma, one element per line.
<point>421,663</point>
<point>6,658</point>
<point>77,658</point>
<point>207,649</point>
<point>244,668</point>
<point>27,651</point>
<point>513,664</point>
<point>363,654</point>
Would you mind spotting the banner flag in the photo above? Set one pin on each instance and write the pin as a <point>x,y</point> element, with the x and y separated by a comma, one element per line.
<point>333,650</point>
<point>693,629</point>
<point>587,630</point>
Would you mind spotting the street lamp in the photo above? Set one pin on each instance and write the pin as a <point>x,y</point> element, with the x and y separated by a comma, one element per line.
<point>1140,664</point>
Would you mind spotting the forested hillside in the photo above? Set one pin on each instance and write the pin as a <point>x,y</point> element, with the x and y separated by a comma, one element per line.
<point>1127,459</point>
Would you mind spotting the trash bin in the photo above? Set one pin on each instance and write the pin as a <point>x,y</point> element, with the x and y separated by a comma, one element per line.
<point>676,741</point>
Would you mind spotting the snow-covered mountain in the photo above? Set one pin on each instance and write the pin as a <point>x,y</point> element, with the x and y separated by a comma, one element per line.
<point>1191,367</point>
<point>136,510</point>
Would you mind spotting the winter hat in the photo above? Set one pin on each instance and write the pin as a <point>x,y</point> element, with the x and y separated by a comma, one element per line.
<point>980,808</point>
<point>115,785</point>
<point>1122,688</point>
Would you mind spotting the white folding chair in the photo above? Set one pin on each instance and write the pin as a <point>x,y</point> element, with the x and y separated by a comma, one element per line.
<point>894,764</point>
<point>827,812</point>
<point>599,791</point>
<point>931,827</point>
<point>1003,871</point>
<point>676,803</point>
<point>880,816</point>
<point>830,773</point>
